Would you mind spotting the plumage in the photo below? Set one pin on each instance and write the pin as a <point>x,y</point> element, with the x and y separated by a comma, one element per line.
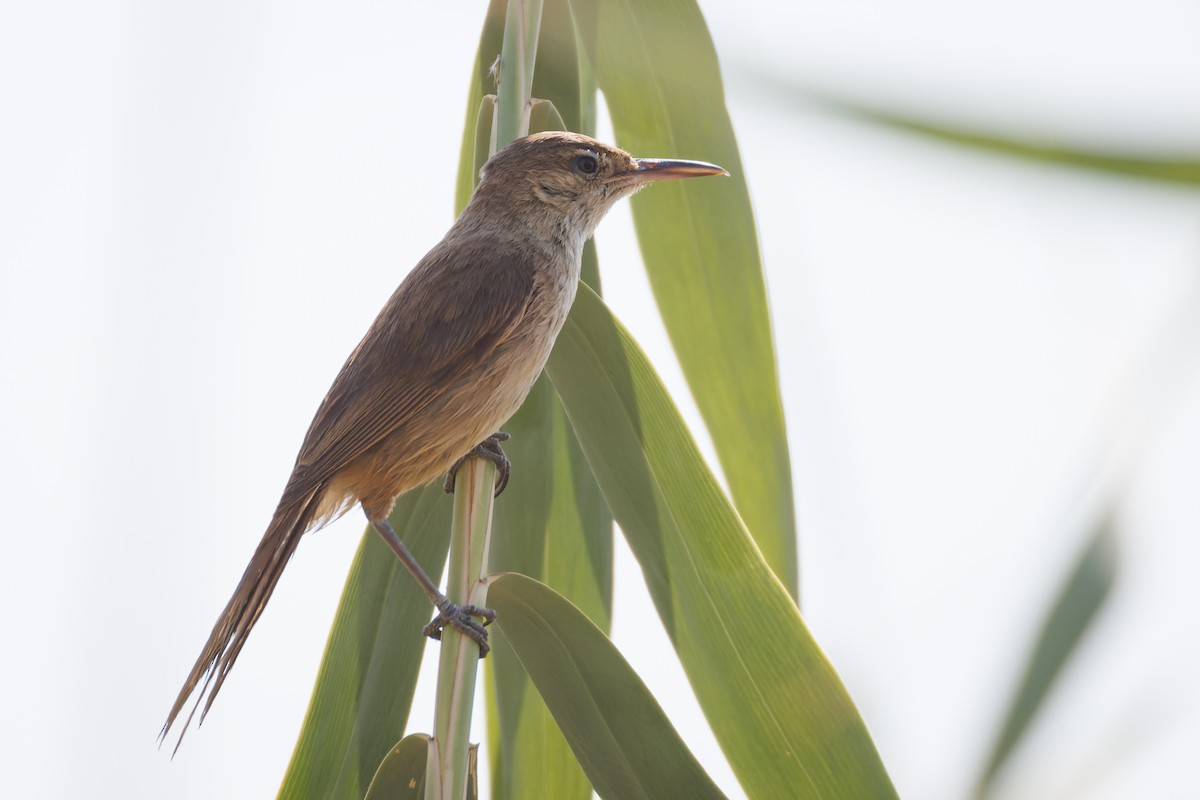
<point>450,357</point>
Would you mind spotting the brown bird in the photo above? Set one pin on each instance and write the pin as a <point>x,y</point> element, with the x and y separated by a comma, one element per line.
<point>449,358</point>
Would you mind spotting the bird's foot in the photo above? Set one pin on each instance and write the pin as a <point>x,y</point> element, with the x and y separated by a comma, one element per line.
<point>463,618</point>
<point>490,449</point>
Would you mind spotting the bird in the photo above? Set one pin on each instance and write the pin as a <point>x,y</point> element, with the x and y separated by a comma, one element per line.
<point>450,357</point>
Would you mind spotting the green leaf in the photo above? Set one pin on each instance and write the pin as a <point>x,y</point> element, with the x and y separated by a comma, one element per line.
<point>557,75</point>
<point>529,756</point>
<point>621,736</point>
<point>364,688</point>
<point>485,126</point>
<point>778,709</point>
<point>401,775</point>
<point>657,67</point>
<point>1082,596</point>
<point>558,527</point>
<point>543,116</point>
<point>482,83</point>
<point>1182,169</point>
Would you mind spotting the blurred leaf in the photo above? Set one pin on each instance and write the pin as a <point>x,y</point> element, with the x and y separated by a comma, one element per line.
<point>658,70</point>
<point>1183,169</point>
<point>617,729</point>
<point>1081,598</point>
<point>364,688</point>
<point>777,707</point>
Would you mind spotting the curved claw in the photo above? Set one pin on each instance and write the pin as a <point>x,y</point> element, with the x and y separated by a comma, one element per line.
<point>463,618</point>
<point>489,449</point>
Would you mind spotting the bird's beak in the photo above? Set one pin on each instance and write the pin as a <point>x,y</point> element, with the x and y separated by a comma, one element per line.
<point>658,169</point>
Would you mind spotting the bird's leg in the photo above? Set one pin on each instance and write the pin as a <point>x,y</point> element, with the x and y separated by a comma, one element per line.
<point>490,449</point>
<point>449,612</point>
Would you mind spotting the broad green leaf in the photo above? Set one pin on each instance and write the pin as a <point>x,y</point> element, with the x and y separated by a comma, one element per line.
<point>658,70</point>
<point>1179,168</point>
<point>364,688</point>
<point>1068,620</point>
<point>621,736</point>
<point>778,709</point>
<point>401,775</point>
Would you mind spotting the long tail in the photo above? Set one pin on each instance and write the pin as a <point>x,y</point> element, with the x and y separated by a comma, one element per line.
<point>228,636</point>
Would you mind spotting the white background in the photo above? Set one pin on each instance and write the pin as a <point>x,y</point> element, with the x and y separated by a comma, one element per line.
<point>203,205</point>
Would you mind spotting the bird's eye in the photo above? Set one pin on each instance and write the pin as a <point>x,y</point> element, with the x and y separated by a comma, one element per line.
<point>586,165</point>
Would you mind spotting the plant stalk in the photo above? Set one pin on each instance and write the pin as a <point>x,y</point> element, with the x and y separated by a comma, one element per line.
<point>521,27</point>
<point>471,530</point>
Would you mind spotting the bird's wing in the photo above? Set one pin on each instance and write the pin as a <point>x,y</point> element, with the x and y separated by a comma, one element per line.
<point>450,313</point>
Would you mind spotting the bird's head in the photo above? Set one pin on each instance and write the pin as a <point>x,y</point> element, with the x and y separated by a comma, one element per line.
<point>569,181</point>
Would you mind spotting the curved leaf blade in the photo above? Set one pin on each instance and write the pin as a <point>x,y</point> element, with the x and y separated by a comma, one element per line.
<point>657,67</point>
<point>620,735</point>
<point>778,709</point>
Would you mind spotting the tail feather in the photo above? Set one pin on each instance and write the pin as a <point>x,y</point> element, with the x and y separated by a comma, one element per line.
<point>244,608</point>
